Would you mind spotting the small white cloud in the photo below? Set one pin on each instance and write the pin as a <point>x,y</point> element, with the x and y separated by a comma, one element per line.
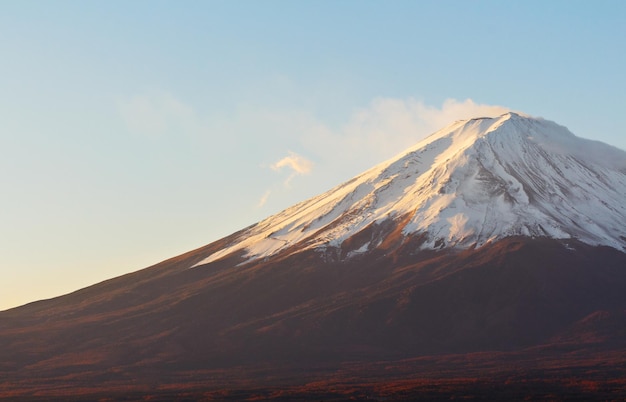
<point>297,163</point>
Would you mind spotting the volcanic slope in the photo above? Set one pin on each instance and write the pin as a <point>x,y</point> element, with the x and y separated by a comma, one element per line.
<point>493,235</point>
<point>468,184</point>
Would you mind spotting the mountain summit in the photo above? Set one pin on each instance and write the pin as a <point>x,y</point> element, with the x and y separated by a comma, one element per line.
<point>468,184</point>
<point>491,255</point>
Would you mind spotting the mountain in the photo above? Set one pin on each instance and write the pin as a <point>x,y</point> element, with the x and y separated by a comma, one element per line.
<point>491,253</point>
<point>471,183</point>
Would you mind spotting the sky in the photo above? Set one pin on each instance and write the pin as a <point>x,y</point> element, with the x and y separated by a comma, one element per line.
<point>131,132</point>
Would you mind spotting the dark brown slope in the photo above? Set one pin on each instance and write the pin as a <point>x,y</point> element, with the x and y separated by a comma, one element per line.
<point>302,311</point>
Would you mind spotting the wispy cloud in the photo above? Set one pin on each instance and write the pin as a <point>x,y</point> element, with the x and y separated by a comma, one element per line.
<point>263,199</point>
<point>298,164</point>
<point>452,110</point>
<point>367,135</point>
<point>388,125</point>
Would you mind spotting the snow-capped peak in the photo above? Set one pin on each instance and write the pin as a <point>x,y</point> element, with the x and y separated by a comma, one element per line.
<point>472,182</point>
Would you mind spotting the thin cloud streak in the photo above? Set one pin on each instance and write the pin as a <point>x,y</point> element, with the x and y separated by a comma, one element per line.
<point>263,199</point>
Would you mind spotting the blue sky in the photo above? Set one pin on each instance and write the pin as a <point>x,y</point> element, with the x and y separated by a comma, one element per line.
<point>131,132</point>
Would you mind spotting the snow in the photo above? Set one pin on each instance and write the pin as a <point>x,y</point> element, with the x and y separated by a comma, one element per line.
<point>468,184</point>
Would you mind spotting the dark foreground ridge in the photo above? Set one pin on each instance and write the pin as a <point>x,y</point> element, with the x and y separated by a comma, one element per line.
<point>514,318</point>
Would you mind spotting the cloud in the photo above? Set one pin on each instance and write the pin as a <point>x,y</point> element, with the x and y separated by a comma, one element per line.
<point>297,163</point>
<point>263,199</point>
<point>294,161</point>
<point>342,148</point>
<point>388,126</point>
<point>452,110</point>
<point>376,132</point>
<point>367,136</point>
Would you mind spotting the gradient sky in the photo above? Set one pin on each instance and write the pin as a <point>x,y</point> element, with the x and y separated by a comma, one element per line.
<point>133,131</point>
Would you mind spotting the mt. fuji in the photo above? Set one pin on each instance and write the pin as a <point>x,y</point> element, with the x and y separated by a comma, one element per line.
<point>470,183</point>
<point>490,256</point>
